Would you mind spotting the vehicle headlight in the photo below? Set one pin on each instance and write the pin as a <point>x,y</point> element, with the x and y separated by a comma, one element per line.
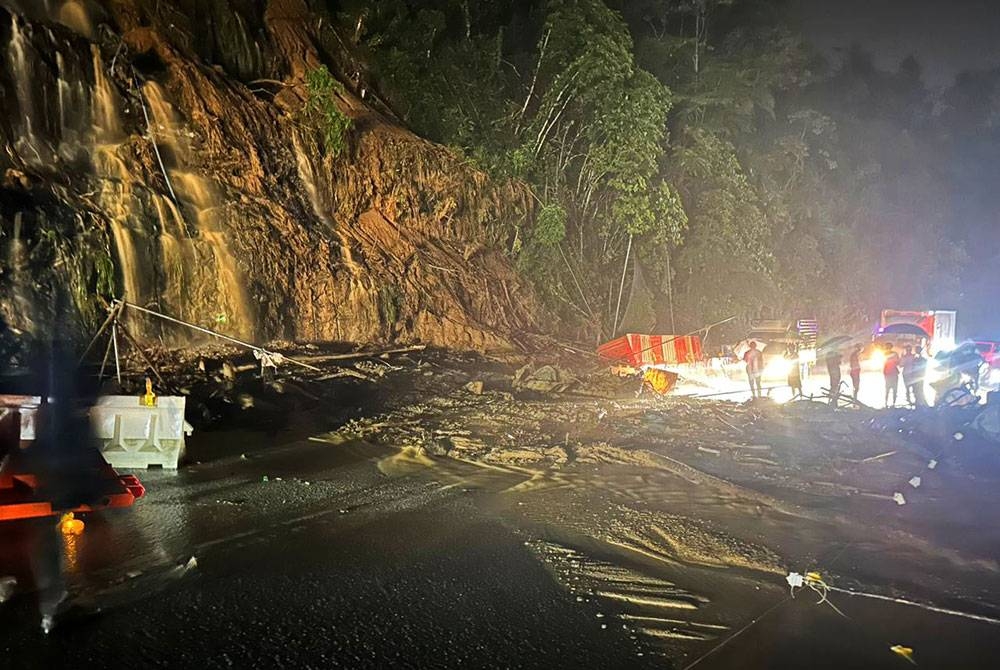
<point>935,372</point>
<point>877,359</point>
<point>778,367</point>
<point>944,345</point>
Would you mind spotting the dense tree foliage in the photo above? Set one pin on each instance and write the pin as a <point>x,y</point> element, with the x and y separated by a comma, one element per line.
<point>751,179</point>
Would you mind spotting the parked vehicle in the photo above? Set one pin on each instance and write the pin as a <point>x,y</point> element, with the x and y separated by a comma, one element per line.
<point>960,369</point>
<point>934,330</point>
<point>990,351</point>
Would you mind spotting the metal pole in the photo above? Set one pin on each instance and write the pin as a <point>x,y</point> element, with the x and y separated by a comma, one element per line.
<point>114,340</point>
<point>670,296</point>
<point>720,393</point>
<point>621,288</point>
<point>131,340</point>
<point>214,334</point>
<point>112,315</point>
<point>104,361</point>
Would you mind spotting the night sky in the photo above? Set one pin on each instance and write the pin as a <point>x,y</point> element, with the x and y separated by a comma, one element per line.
<point>946,36</point>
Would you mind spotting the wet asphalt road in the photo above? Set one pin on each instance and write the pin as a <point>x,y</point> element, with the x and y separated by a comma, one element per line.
<point>333,565</point>
<point>344,557</point>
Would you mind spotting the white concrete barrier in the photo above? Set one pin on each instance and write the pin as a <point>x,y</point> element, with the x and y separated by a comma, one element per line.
<point>133,435</point>
<point>27,407</point>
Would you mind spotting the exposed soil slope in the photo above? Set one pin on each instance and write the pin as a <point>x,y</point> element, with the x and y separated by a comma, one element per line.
<point>160,150</point>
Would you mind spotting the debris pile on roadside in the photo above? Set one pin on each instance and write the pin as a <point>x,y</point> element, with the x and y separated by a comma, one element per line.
<point>548,411</point>
<point>546,417</point>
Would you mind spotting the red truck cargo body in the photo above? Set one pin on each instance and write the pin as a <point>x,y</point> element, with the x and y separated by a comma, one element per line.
<point>639,350</point>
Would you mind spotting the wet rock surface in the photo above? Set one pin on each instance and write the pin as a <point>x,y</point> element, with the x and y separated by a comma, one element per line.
<point>159,151</point>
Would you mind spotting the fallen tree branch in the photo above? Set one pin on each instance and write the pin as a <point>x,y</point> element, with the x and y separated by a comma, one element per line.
<point>361,354</point>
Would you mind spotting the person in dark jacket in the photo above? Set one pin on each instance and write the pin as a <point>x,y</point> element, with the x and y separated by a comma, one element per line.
<point>917,375</point>
<point>833,360</point>
<point>794,372</point>
<point>890,371</point>
<point>906,363</point>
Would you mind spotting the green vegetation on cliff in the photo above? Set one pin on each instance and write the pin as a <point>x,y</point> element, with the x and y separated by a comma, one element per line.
<point>322,110</point>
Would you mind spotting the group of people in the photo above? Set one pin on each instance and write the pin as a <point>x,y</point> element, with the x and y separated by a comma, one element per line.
<point>911,366</point>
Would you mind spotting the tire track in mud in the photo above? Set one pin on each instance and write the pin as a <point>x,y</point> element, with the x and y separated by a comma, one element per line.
<point>535,479</point>
<point>655,537</point>
<point>634,492</point>
<point>668,617</point>
<point>652,533</point>
<point>624,510</point>
<point>637,547</point>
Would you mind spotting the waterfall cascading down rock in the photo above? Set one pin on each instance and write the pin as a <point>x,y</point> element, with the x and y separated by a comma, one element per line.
<point>21,72</point>
<point>210,279</point>
<point>17,264</point>
<point>142,160</point>
<point>178,264</point>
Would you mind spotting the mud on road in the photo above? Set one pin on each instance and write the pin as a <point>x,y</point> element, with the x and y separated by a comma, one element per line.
<point>685,515</point>
<point>418,509</point>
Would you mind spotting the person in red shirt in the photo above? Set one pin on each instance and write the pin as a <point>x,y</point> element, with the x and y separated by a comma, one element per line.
<point>755,367</point>
<point>890,370</point>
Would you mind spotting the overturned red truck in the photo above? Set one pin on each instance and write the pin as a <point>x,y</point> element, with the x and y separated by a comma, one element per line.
<point>641,351</point>
<point>653,355</point>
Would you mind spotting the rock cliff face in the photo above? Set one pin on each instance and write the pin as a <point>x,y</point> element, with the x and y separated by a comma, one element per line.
<point>159,149</point>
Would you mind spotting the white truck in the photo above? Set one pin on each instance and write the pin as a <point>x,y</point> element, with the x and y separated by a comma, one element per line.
<point>934,330</point>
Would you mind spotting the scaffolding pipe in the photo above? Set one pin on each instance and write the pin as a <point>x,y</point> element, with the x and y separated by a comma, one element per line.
<point>220,336</point>
<point>621,287</point>
<point>114,341</point>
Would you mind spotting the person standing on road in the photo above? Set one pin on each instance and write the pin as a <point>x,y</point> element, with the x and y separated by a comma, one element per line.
<point>833,359</point>
<point>855,362</point>
<point>794,372</point>
<point>755,367</point>
<point>890,370</point>
<point>906,363</point>
<point>916,377</point>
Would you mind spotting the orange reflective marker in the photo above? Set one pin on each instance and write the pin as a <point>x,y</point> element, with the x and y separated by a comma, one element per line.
<point>905,652</point>
<point>660,381</point>
<point>70,525</point>
<point>149,399</point>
